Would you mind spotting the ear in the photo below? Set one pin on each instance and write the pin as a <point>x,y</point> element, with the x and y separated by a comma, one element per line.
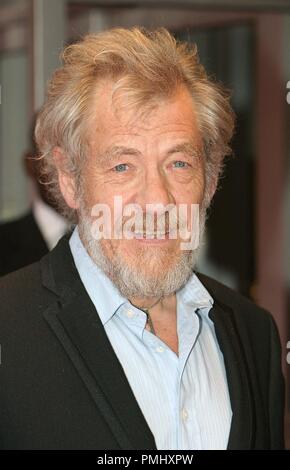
<point>65,179</point>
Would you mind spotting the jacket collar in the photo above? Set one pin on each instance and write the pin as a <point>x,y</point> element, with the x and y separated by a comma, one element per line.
<point>86,343</point>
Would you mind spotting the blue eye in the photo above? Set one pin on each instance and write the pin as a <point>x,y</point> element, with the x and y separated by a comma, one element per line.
<point>180,164</point>
<point>121,167</point>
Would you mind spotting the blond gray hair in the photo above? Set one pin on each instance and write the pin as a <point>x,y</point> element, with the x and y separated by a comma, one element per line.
<point>145,66</point>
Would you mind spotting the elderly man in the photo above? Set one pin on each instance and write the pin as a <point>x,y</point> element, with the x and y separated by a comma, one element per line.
<point>112,341</point>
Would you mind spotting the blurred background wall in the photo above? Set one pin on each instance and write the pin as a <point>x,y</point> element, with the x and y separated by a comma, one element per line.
<point>245,44</point>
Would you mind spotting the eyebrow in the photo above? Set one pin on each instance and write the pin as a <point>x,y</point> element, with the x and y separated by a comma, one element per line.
<point>115,152</point>
<point>185,147</point>
<point>118,150</point>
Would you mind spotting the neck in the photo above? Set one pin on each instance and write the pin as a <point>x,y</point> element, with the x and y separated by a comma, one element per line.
<point>156,305</point>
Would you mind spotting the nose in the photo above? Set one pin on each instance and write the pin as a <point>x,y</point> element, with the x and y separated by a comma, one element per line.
<point>155,189</point>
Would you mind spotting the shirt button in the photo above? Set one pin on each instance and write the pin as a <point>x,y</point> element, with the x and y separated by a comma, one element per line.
<point>160,349</point>
<point>184,414</point>
<point>130,313</point>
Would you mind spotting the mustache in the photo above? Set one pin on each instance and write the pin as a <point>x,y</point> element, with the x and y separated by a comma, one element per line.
<point>171,221</point>
<point>151,224</point>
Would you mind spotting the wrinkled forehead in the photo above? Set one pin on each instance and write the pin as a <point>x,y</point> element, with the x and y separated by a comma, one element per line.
<point>125,112</point>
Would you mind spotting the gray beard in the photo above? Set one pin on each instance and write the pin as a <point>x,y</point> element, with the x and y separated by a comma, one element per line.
<point>130,279</point>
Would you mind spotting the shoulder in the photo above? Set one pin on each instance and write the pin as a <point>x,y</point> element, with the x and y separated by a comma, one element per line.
<point>22,279</point>
<point>254,326</point>
<point>244,310</point>
<point>23,291</point>
<point>33,286</point>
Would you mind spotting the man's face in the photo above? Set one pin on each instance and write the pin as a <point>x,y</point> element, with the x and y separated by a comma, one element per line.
<point>146,159</point>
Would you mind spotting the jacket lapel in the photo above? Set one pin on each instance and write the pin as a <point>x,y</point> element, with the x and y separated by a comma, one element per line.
<point>242,426</point>
<point>77,325</point>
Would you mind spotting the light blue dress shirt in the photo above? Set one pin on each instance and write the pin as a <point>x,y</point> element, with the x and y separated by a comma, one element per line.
<point>184,398</point>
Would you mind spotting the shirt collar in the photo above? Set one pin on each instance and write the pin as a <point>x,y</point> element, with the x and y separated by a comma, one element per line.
<point>195,294</point>
<point>108,299</point>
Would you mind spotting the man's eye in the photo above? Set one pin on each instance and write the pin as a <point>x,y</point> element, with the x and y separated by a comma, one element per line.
<point>120,168</point>
<point>180,164</point>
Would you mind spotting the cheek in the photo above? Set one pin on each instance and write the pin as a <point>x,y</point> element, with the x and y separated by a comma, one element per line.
<point>95,190</point>
<point>191,193</point>
<point>198,188</point>
<point>188,187</point>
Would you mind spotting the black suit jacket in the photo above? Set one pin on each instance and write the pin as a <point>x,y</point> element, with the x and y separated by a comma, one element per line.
<point>63,387</point>
<point>21,243</point>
